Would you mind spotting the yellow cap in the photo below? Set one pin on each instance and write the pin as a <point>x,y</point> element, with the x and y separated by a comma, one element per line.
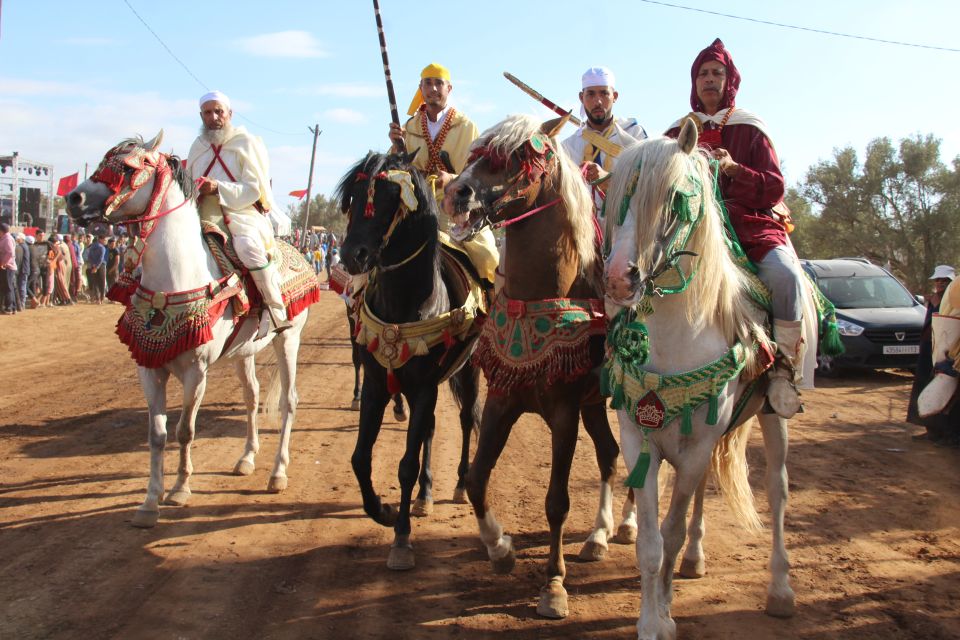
<point>432,70</point>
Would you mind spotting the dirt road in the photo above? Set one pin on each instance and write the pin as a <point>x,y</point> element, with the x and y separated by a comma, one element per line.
<point>873,525</point>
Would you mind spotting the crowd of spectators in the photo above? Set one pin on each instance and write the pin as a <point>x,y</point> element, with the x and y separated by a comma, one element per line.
<point>322,250</point>
<point>47,270</point>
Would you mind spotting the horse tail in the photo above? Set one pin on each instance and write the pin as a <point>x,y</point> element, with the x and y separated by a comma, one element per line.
<point>730,468</point>
<point>460,393</point>
<point>271,402</point>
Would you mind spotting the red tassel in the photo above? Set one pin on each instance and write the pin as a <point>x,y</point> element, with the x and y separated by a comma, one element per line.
<point>405,352</point>
<point>368,209</point>
<point>356,332</point>
<point>448,339</point>
<point>393,385</point>
<point>373,344</point>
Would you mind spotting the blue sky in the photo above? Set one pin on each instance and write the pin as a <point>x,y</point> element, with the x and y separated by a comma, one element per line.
<point>76,77</point>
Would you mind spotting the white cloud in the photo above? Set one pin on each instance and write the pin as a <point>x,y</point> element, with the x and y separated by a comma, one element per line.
<point>283,44</point>
<point>345,116</point>
<point>346,90</point>
<point>25,87</point>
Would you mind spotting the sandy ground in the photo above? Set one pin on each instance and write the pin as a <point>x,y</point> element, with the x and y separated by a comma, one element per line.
<point>872,525</point>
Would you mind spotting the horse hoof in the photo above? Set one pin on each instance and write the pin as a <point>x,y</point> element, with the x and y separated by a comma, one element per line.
<point>355,405</point>
<point>781,606</point>
<point>553,600</point>
<point>460,496</point>
<point>401,558</point>
<point>505,564</point>
<point>626,534</point>
<point>692,568</point>
<point>243,468</point>
<point>277,484</point>
<point>421,508</point>
<point>592,552</point>
<point>399,414</point>
<point>143,519</point>
<point>177,498</point>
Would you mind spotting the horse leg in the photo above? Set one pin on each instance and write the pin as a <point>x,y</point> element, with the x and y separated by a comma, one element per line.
<point>194,386</point>
<point>154,384</point>
<point>355,354</point>
<point>423,404</point>
<point>467,390</point>
<point>627,530</point>
<point>692,565</point>
<point>374,398</point>
<point>423,505</point>
<point>499,415</point>
<point>606,447</point>
<point>286,345</point>
<point>399,414</point>
<point>780,597</point>
<point>563,419</point>
<point>246,371</point>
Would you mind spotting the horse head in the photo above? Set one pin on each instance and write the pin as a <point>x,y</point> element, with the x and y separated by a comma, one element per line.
<point>125,183</point>
<point>390,210</point>
<point>508,167</point>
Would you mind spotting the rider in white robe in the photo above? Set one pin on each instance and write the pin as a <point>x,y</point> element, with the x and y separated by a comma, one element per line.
<point>233,171</point>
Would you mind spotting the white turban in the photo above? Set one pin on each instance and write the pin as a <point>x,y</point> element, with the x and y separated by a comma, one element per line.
<point>598,77</point>
<point>215,95</point>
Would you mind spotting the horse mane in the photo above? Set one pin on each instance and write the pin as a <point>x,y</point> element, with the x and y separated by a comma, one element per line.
<point>719,287</point>
<point>512,133</point>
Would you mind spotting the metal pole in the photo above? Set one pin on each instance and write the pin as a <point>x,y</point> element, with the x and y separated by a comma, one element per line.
<point>306,216</point>
<point>15,211</point>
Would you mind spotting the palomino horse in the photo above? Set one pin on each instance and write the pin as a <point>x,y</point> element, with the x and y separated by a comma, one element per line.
<point>415,327</point>
<point>683,332</point>
<point>544,338</point>
<point>182,281</point>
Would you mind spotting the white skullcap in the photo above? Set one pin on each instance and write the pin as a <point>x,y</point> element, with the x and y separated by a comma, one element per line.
<point>215,95</point>
<point>598,77</point>
<point>943,271</point>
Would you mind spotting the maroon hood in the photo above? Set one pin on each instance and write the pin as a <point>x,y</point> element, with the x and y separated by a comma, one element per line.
<point>718,52</point>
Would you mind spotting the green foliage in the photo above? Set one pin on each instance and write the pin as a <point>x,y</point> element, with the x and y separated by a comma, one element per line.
<point>900,206</point>
<point>324,212</point>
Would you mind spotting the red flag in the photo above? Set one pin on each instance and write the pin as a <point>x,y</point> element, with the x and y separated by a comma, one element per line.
<point>67,184</point>
<point>299,193</point>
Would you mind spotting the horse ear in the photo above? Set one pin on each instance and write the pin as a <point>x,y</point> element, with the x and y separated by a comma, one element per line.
<point>688,136</point>
<point>407,158</point>
<point>553,127</point>
<point>154,144</point>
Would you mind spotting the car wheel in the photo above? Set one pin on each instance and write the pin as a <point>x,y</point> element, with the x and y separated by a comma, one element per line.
<point>827,367</point>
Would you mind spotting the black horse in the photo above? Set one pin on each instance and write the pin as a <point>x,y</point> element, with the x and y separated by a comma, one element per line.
<point>399,413</point>
<point>414,316</point>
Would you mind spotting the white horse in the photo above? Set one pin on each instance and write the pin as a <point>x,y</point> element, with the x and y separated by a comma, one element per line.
<point>175,258</point>
<point>671,277</point>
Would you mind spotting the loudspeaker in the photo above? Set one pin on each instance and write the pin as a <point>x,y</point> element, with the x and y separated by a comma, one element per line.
<point>29,201</point>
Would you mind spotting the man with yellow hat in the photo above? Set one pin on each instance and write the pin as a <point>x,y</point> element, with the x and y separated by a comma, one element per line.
<point>441,137</point>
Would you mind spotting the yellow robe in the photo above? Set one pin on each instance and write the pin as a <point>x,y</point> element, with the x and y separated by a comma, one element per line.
<point>482,249</point>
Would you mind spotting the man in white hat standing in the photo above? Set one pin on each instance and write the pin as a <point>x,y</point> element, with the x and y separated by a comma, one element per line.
<point>597,143</point>
<point>232,169</point>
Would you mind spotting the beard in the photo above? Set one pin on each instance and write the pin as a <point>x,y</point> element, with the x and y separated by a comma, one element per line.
<point>598,121</point>
<point>217,136</point>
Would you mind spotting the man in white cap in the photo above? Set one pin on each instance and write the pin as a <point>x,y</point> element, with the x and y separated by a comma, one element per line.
<point>597,143</point>
<point>232,170</point>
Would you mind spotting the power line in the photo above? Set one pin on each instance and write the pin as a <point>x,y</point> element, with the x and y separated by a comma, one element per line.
<point>192,75</point>
<point>799,28</point>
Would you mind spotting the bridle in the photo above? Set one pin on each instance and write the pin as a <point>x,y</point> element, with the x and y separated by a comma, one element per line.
<point>408,202</point>
<point>538,161</point>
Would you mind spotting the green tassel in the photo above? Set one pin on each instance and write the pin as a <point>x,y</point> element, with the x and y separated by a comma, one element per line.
<point>618,400</point>
<point>686,425</point>
<point>638,475</point>
<point>830,343</point>
<point>604,382</point>
<point>713,409</point>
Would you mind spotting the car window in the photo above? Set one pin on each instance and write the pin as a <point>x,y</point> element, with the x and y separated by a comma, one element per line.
<point>866,292</point>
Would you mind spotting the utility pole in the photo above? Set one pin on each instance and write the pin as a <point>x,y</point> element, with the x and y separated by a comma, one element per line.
<point>306,216</point>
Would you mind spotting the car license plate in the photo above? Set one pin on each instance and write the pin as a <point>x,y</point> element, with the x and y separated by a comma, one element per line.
<point>894,349</point>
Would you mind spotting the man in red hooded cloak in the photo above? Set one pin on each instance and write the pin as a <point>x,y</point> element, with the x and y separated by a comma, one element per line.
<point>752,188</point>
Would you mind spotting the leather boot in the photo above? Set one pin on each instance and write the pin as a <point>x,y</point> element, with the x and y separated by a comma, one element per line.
<point>782,391</point>
<point>274,310</point>
<point>935,396</point>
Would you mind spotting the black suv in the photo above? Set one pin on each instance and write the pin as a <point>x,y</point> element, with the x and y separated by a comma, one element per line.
<point>879,320</point>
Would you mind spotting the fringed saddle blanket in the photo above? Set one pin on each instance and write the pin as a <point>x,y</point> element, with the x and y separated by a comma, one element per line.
<point>158,326</point>
<point>526,342</point>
